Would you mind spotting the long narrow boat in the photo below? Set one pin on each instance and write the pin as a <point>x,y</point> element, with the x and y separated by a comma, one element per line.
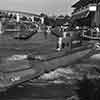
<point>21,30</point>
<point>18,66</point>
<point>14,71</point>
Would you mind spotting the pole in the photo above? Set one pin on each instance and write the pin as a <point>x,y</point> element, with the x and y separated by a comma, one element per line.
<point>97,18</point>
<point>96,12</point>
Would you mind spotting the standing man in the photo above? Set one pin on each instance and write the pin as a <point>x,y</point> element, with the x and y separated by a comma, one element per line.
<point>60,40</point>
<point>59,44</point>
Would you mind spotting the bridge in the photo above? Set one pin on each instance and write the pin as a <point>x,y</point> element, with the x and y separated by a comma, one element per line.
<point>19,17</point>
<point>21,14</point>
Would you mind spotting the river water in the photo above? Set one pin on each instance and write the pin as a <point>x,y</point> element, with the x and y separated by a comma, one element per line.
<point>38,93</point>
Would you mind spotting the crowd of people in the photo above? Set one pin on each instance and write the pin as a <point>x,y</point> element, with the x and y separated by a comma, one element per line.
<point>60,32</point>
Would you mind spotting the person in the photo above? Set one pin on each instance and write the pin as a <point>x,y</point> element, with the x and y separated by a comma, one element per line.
<point>64,33</point>
<point>48,29</point>
<point>59,44</point>
<point>61,40</point>
<point>97,30</point>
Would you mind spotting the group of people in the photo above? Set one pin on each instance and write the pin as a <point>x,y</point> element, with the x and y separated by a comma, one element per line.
<point>60,34</point>
<point>60,42</point>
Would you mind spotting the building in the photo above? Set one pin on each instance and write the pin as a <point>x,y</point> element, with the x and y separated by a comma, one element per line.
<point>86,13</point>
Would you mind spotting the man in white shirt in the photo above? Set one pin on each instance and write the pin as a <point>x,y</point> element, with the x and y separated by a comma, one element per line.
<point>59,44</point>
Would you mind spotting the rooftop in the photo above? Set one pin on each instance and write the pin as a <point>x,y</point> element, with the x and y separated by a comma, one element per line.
<point>82,3</point>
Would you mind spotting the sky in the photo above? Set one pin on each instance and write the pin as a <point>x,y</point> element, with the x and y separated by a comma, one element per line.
<point>51,7</point>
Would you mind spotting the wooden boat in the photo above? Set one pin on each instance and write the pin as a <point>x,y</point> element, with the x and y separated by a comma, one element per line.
<point>16,71</point>
<point>44,58</point>
<point>21,31</point>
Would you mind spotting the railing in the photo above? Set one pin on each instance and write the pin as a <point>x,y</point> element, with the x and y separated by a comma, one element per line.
<point>92,35</point>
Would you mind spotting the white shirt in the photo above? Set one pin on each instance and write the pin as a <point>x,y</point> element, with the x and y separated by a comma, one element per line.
<point>64,34</point>
<point>60,40</point>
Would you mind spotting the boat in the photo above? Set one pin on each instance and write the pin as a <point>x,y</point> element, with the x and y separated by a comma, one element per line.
<point>21,30</point>
<point>23,60</point>
<point>18,69</point>
<point>26,59</point>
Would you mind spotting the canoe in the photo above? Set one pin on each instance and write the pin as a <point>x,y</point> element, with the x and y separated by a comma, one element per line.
<point>14,72</point>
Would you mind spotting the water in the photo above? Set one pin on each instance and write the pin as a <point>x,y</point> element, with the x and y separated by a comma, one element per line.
<point>37,93</point>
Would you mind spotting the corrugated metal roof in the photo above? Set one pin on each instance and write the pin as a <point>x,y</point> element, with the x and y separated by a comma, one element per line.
<point>83,3</point>
<point>81,15</point>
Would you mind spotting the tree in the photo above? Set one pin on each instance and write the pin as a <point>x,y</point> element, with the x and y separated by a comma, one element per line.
<point>43,15</point>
